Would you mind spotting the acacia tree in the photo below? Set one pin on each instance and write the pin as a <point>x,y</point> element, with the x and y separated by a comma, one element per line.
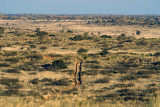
<point>81,55</point>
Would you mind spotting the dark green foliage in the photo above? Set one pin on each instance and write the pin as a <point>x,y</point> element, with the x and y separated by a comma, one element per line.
<point>106,36</point>
<point>28,66</point>
<point>10,53</point>
<point>138,32</point>
<point>48,67</point>
<point>2,30</point>
<point>4,65</point>
<point>122,37</point>
<point>59,64</point>
<point>104,52</point>
<point>119,85</point>
<point>43,48</point>
<point>13,60</point>
<point>55,55</point>
<point>82,50</point>
<point>12,85</point>
<point>102,80</point>
<point>52,35</point>
<point>150,90</point>
<point>32,46</point>
<point>34,81</point>
<point>79,38</point>
<point>69,31</point>
<point>141,41</point>
<point>45,80</point>
<point>129,77</point>
<point>12,71</point>
<point>41,33</point>
<point>37,30</point>
<point>96,62</point>
<point>1,47</point>
<point>157,54</point>
<point>31,35</point>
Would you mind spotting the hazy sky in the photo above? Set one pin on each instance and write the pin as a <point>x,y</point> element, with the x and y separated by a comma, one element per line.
<point>80,6</point>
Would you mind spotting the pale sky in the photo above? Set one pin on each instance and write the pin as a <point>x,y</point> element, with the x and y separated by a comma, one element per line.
<point>134,7</point>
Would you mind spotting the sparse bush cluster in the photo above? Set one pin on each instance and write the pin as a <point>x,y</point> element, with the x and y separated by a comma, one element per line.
<point>79,38</point>
<point>12,85</point>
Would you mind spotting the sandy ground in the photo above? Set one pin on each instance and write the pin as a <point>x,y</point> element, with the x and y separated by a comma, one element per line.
<point>80,27</point>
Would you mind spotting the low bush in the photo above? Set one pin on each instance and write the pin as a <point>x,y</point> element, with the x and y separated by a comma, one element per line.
<point>79,38</point>
<point>11,84</point>
<point>34,81</point>
<point>4,65</point>
<point>59,64</point>
<point>12,71</point>
<point>104,52</point>
<point>43,48</point>
<point>31,35</point>
<point>34,57</point>
<point>32,46</point>
<point>10,53</point>
<point>69,31</point>
<point>13,60</point>
<point>52,35</point>
<point>106,36</point>
<point>157,54</point>
<point>129,77</point>
<point>102,80</point>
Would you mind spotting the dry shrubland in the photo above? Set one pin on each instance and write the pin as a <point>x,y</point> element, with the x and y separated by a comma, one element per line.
<point>119,70</point>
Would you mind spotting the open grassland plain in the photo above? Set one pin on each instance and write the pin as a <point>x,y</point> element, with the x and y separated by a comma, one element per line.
<point>121,64</point>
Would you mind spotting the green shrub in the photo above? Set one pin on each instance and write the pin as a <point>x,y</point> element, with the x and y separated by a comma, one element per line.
<point>69,31</point>
<point>4,65</point>
<point>122,37</point>
<point>41,33</point>
<point>10,53</point>
<point>43,48</point>
<point>31,35</point>
<point>11,84</point>
<point>2,30</point>
<point>79,38</point>
<point>59,64</point>
<point>13,60</point>
<point>129,77</point>
<point>138,32</point>
<point>32,46</point>
<point>104,52</point>
<point>52,35</point>
<point>34,81</point>
<point>12,71</point>
<point>106,36</point>
<point>157,54</point>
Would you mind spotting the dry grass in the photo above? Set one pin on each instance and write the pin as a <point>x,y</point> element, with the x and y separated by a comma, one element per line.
<point>127,75</point>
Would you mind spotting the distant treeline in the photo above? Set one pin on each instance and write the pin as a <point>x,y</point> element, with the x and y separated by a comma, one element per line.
<point>144,20</point>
